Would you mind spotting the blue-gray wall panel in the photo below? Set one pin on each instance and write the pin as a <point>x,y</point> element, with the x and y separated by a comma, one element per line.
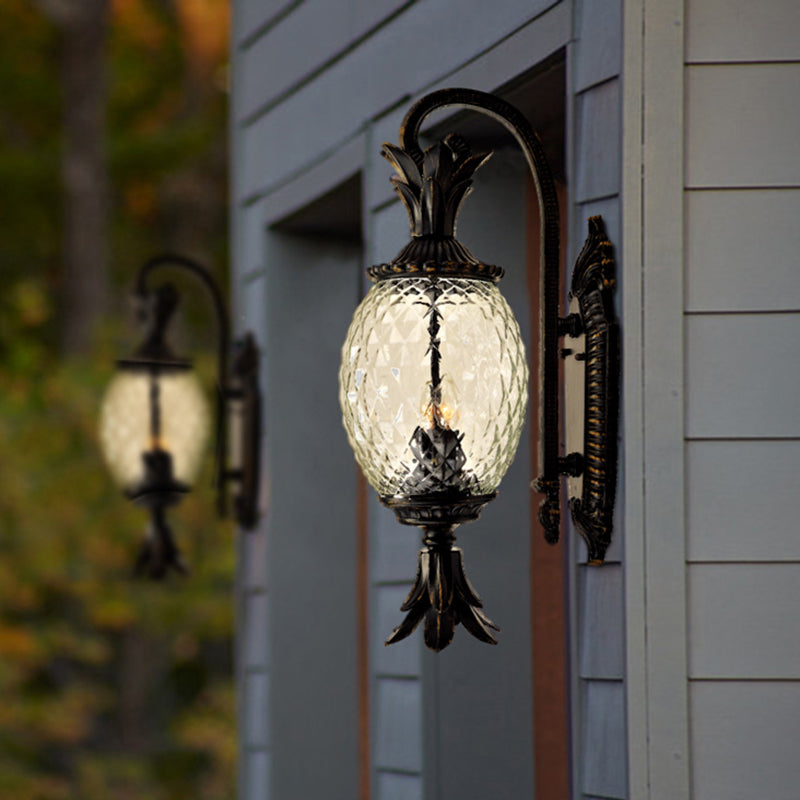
<point>740,30</point>
<point>741,500</point>
<point>403,658</point>
<point>595,175</point>
<point>304,43</point>
<point>251,16</point>
<point>257,772</point>
<point>742,623</point>
<point>604,751</point>
<point>598,55</point>
<point>311,291</point>
<point>398,712</point>
<point>256,729</point>
<point>398,787</point>
<point>602,643</point>
<point>374,76</point>
<point>597,143</point>
<point>732,137</point>
<point>741,250</point>
<point>741,377</point>
<point>254,631</point>
<point>744,740</point>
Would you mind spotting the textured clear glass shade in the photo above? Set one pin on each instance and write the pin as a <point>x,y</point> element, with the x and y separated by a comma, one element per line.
<point>387,374</point>
<point>125,424</point>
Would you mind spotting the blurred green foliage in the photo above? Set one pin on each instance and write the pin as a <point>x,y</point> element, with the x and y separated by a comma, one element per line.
<point>111,688</point>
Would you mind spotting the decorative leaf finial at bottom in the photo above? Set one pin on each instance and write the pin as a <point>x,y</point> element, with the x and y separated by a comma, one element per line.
<point>159,554</point>
<point>443,596</point>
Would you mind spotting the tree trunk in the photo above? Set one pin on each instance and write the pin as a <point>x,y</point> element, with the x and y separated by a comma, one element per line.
<point>84,280</point>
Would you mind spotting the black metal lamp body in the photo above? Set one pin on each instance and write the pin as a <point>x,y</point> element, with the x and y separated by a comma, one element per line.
<point>157,474</point>
<point>446,327</point>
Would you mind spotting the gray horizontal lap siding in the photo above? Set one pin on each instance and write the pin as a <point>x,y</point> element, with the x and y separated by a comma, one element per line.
<point>594,174</point>
<point>742,192</point>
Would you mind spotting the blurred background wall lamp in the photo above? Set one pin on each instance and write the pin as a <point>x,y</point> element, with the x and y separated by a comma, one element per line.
<point>434,378</point>
<point>154,419</point>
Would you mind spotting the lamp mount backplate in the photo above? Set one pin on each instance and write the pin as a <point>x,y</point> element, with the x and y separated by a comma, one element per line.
<point>590,351</point>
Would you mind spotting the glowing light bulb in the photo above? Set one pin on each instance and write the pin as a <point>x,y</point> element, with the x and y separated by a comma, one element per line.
<point>444,410</point>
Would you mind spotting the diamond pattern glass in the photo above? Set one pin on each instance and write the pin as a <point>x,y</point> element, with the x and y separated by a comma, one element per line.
<point>125,424</point>
<point>402,326</point>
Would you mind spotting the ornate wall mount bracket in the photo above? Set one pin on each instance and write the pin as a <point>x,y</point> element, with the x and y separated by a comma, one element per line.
<point>592,392</point>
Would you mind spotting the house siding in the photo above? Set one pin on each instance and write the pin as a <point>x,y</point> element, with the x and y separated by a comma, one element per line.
<point>742,185</point>
<point>598,623</point>
<point>711,564</point>
<point>681,132</point>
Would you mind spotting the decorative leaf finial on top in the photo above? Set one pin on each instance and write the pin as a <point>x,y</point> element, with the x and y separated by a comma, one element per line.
<point>432,186</point>
<point>433,191</point>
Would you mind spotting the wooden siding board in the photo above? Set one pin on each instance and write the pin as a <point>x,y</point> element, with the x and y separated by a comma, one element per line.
<point>398,709</point>
<point>390,786</point>
<point>744,738</point>
<point>663,400</point>
<point>741,500</point>
<point>741,131</point>
<point>740,376</point>
<point>602,644</point>
<point>543,36</point>
<point>393,547</point>
<point>323,176</point>
<point>256,725</point>
<point>741,30</point>
<point>257,775</point>
<point>254,631</point>
<point>632,408</point>
<point>741,250</point>
<point>741,621</point>
<point>401,659</point>
<point>336,105</point>
<point>253,562</point>
<point>250,307</point>
<point>595,170</point>
<point>251,15</point>
<point>308,127</point>
<point>598,142</point>
<point>250,253</point>
<point>301,44</point>
<point>604,751</point>
<point>599,51</point>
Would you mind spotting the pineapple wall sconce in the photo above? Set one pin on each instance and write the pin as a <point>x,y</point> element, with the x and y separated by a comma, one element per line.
<point>434,376</point>
<point>154,421</point>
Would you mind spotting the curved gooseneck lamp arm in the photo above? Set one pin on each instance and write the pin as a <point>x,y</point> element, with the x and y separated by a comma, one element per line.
<point>240,384</point>
<point>223,348</point>
<point>550,466</point>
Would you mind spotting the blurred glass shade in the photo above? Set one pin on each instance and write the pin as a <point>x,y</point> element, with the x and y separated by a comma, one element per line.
<point>125,424</point>
<point>385,378</point>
